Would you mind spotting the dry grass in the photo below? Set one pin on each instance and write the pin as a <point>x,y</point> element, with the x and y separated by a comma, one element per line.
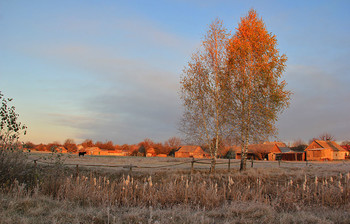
<point>42,209</point>
<point>270,195</point>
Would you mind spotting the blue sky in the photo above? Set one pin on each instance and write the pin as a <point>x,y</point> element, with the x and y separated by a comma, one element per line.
<point>110,70</point>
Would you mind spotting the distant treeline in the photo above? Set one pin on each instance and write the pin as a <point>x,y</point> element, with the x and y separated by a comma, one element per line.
<point>167,147</point>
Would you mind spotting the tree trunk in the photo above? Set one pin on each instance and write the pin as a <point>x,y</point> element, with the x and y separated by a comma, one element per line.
<point>244,156</point>
<point>213,163</point>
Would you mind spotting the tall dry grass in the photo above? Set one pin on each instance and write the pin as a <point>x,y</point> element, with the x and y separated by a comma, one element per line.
<point>283,192</point>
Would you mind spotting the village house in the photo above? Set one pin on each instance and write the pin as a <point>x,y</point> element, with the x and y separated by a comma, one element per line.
<point>118,152</point>
<point>325,150</point>
<point>96,151</point>
<point>270,151</point>
<point>265,151</point>
<point>150,152</point>
<point>191,151</point>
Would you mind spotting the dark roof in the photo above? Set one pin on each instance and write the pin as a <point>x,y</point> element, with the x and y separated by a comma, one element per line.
<point>285,150</point>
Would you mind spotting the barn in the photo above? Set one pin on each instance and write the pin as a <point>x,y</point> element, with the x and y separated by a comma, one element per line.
<point>194,151</point>
<point>320,150</point>
<point>288,154</point>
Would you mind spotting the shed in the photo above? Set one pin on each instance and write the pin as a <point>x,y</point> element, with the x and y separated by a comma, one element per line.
<point>290,155</point>
<point>194,151</point>
<point>325,150</point>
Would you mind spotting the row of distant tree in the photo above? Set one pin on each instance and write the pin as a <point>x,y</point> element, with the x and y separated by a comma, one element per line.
<point>167,147</point>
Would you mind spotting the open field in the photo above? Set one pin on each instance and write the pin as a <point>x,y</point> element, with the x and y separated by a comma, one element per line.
<point>267,193</point>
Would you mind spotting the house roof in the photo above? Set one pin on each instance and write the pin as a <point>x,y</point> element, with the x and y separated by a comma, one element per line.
<point>329,144</point>
<point>279,144</point>
<point>190,148</point>
<point>286,150</point>
<point>263,148</point>
<point>266,147</point>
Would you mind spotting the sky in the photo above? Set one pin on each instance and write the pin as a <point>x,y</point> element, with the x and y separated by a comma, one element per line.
<point>110,70</point>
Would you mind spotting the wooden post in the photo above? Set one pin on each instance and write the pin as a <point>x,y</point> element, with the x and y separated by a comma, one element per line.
<point>192,164</point>
<point>130,168</point>
<point>229,164</point>
<point>35,173</point>
<point>77,170</point>
<point>279,163</point>
<point>252,162</point>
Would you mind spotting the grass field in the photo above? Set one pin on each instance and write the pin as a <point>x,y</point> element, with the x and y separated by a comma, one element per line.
<point>54,192</point>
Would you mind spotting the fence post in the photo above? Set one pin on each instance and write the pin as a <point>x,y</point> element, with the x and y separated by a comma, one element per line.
<point>130,168</point>
<point>229,164</point>
<point>35,173</point>
<point>279,163</point>
<point>192,164</point>
<point>77,170</point>
<point>252,162</point>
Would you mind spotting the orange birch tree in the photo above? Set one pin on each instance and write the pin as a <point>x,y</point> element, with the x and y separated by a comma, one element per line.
<point>257,92</point>
<point>202,90</point>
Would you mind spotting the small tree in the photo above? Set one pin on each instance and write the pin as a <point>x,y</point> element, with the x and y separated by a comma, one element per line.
<point>52,146</point>
<point>88,143</point>
<point>173,143</point>
<point>256,91</point>
<point>326,137</point>
<point>202,91</point>
<point>299,145</point>
<point>70,145</point>
<point>10,127</point>
<point>346,145</point>
<point>29,145</point>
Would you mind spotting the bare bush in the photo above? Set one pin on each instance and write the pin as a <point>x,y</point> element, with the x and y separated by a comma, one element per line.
<point>14,166</point>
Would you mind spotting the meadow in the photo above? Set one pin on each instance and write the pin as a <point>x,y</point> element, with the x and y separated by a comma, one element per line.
<point>157,191</point>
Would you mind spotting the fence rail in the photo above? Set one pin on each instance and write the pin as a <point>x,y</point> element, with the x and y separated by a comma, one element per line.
<point>192,163</point>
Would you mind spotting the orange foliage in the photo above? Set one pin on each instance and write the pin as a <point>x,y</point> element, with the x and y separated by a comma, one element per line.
<point>255,69</point>
<point>70,145</point>
<point>88,143</point>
